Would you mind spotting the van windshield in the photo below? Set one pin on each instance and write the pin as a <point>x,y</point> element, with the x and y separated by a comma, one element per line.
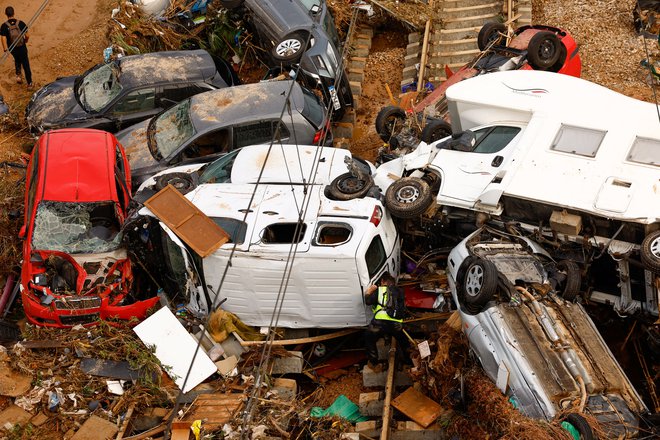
<point>218,171</point>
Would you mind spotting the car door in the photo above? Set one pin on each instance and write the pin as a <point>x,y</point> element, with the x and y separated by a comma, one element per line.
<point>467,174</point>
<point>133,107</point>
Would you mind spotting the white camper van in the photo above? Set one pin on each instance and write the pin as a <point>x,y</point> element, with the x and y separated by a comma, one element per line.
<point>319,266</point>
<point>568,158</point>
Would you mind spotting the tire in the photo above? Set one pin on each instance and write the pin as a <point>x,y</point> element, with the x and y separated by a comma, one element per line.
<point>290,48</point>
<point>650,252</point>
<point>488,33</point>
<point>573,282</point>
<point>184,183</point>
<point>230,4</point>
<point>388,119</point>
<point>408,197</point>
<point>543,50</point>
<point>434,130</point>
<point>348,187</point>
<point>581,426</point>
<point>480,284</point>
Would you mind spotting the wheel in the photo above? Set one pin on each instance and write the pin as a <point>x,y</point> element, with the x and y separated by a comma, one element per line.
<point>230,4</point>
<point>434,130</point>
<point>408,197</point>
<point>573,281</point>
<point>183,182</point>
<point>489,33</point>
<point>348,187</point>
<point>543,50</point>
<point>579,424</point>
<point>651,252</point>
<point>480,283</point>
<point>389,120</point>
<point>290,48</point>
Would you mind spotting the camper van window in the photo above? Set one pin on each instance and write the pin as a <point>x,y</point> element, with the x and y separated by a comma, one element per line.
<point>333,234</point>
<point>375,256</point>
<point>494,139</point>
<point>645,151</point>
<point>236,229</point>
<point>578,140</point>
<point>283,233</point>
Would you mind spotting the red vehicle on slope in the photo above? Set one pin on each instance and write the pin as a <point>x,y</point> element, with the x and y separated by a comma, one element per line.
<point>535,47</point>
<point>75,267</point>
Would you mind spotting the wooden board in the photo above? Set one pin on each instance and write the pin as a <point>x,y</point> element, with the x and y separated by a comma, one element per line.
<point>215,409</point>
<point>187,221</point>
<point>418,407</point>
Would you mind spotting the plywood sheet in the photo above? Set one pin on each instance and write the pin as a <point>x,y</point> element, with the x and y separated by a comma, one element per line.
<point>96,428</point>
<point>187,221</point>
<point>215,409</point>
<point>418,407</point>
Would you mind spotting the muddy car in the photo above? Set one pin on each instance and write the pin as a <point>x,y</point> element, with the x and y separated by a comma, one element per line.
<point>541,349</point>
<point>126,91</point>
<point>341,246</point>
<point>75,269</point>
<point>300,32</point>
<point>531,47</point>
<point>208,125</point>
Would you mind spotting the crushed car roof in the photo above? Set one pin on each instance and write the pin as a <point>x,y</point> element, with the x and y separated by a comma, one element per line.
<point>166,66</point>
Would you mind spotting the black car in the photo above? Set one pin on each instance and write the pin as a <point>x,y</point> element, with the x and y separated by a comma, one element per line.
<point>111,96</point>
<point>300,32</point>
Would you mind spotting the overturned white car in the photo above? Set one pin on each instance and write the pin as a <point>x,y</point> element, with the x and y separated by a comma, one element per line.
<point>542,351</point>
<point>564,157</point>
<point>289,241</point>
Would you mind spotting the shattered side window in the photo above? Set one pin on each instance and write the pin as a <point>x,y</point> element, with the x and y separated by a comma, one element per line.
<point>578,140</point>
<point>173,128</point>
<point>646,151</point>
<point>375,256</point>
<point>76,228</point>
<point>100,87</point>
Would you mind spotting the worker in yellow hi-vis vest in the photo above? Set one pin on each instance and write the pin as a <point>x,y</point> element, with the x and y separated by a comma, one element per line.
<point>388,305</point>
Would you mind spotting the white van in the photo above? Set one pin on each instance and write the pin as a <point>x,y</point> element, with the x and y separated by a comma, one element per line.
<point>564,156</point>
<point>320,266</point>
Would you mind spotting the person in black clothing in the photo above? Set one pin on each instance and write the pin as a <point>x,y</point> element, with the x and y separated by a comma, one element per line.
<point>11,30</point>
<point>382,323</point>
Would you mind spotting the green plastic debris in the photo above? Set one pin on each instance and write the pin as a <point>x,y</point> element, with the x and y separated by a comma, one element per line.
<point>342,407</point>
<point>571,430</point>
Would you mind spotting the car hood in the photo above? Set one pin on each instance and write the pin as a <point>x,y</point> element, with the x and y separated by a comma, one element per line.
<point>54,105</point>
<point>134,140</point>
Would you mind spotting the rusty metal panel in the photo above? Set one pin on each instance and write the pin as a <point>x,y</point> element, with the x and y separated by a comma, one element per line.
<point>418,407</point>
<point>186,220</point>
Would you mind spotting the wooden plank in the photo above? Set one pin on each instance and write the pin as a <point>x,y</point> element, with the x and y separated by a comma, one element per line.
<point>215,409</point>
<point>389,386</point>
<point>471,8</point>
<point>472,18</point>
<point>304,340</point>
<point>418,407</point>
<point>187,221</point>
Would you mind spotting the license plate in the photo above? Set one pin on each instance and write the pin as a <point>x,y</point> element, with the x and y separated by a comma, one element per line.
<point>334,98</point>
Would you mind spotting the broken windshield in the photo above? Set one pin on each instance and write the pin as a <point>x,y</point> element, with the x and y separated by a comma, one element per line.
<point>76,228</point>
<point>99,87</point>
<point>218,171</point>
<point>170,130</point>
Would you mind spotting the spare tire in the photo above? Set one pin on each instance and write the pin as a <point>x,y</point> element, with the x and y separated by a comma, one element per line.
<point>183,182</point>
<point>543,50</point>
<point>434,130</point>
<point>573,281</point>
<point>408,197</point>
<point>348,187</point>
<point>389,120</point>
<point>489,33</point>
<point>579,423</point>
<point>650,252</point>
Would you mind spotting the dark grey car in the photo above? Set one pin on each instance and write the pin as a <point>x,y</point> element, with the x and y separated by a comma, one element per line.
<point>127,90</point>
<point>304,32</point>
<point>210,124</point>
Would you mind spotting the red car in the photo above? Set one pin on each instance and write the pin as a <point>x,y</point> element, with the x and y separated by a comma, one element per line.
<point>535,47</point>
<point>75,268</point>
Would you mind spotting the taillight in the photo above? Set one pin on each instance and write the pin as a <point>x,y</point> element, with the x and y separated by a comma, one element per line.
<point>321,134</point>
<point>376,216</point>
<point>317,137</point>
